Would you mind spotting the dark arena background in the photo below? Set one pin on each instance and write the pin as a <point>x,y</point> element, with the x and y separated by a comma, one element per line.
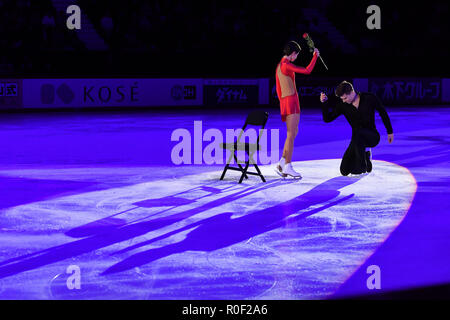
<point>113,116</point>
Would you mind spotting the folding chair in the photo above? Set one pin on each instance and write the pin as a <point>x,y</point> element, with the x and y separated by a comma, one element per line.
<point>255,118</point>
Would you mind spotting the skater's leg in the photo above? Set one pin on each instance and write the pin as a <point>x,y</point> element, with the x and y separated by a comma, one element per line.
<point>358,142</point>
<point>347,161</point>
<point>366,138</point>
<point>292,122</point>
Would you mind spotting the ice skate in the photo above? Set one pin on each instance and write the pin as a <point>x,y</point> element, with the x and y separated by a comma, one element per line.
<point>289,171</point>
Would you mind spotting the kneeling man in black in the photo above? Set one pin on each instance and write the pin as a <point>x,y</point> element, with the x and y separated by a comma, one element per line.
<point>359,110</point>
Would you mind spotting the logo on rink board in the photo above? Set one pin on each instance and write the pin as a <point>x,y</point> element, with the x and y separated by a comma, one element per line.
<point>10,93</point>
<point>179,92</point>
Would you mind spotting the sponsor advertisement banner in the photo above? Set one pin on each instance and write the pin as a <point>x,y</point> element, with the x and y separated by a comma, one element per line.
<point>245,92</point>
<point>60,93</point>
<point>407,91</point>
<point>10,93</point>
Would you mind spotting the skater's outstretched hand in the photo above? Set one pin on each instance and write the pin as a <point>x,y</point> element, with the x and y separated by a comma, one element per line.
<point>390,137</point>
<point>323,97</point>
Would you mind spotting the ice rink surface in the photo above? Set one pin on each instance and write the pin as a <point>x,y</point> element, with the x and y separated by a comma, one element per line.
<point>99,191</point>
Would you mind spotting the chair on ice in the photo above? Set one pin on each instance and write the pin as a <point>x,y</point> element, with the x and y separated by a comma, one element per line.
<point>255,118</point>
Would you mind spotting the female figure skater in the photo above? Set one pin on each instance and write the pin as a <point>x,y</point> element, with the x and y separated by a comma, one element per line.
<point>289,103</point>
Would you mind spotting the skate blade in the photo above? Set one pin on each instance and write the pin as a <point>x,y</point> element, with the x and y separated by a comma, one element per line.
<point>294,177</point>
<point>358,175</point>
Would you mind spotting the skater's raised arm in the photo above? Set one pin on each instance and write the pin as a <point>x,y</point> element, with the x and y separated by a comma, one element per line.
<point>290,67</point>
<point>328,115</point>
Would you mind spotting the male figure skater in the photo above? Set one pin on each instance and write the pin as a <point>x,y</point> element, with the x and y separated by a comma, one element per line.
<point>289,103</point>
<point>359,110</point>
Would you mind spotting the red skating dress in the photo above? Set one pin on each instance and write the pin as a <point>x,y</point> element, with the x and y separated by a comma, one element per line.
<point>286,89</point>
